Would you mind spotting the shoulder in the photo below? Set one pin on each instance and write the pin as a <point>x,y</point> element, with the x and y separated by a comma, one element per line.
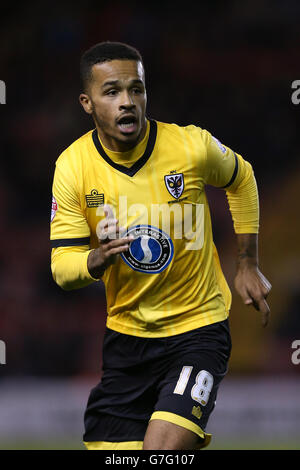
<point>71,156</point>
<point>191,131</point>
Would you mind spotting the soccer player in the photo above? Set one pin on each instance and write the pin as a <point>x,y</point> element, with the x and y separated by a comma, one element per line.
<point>129,208</point>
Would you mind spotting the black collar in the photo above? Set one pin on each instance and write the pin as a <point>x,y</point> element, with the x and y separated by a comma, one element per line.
<point>140,162</point>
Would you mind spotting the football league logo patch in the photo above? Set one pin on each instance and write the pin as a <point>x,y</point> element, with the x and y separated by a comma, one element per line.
<point>221,146</point>
<point>175,184</point>
<point>54,208</point>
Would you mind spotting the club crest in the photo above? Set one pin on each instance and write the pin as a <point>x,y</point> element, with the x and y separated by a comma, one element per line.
<point>175,184</point>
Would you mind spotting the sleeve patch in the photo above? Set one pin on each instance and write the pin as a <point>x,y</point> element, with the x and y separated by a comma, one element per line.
<point>54,208</point>
<point>221,147</point>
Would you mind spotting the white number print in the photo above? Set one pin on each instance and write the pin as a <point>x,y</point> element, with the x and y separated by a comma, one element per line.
<point>201,390</point>
<point>183,380</point>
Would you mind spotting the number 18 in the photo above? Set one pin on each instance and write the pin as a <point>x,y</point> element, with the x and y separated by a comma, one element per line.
<point>201,390</point>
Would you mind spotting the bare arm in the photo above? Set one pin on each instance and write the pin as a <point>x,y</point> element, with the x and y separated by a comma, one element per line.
<point>249,282</point>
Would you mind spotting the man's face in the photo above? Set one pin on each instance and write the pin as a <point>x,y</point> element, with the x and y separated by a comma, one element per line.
<point>116,98</point>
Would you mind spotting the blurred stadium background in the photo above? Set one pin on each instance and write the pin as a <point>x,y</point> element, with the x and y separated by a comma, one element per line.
<point>226,66</point>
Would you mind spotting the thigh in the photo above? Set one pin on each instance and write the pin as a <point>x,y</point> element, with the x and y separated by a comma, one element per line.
<point>120,406</point>
<point>198,361</point>
<point>109,432</point>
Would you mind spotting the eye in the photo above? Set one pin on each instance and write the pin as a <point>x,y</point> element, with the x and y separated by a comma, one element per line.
<point>111,92</point>
<point>137,91</point>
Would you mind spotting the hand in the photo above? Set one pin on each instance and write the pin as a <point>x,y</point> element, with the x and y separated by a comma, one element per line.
<point>254,288</point>
<point>110,245</point>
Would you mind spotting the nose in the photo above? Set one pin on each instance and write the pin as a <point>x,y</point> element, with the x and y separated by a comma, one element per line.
<point>127,101</point>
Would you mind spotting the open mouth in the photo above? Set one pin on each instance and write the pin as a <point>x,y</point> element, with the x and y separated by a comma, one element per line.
<point>127,124</point>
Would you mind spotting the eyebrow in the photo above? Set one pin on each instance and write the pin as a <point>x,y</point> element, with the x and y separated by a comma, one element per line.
<point>116,82</point>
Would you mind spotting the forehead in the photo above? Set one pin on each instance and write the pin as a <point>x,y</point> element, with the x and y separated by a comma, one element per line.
<point>121,70</point>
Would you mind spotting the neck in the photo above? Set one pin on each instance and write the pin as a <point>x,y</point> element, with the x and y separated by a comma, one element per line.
<point>115,145</point>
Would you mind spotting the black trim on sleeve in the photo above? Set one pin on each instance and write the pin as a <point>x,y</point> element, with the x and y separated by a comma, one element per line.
<point>70,242</point>
<point>140,162</point>
<point>234,173</point>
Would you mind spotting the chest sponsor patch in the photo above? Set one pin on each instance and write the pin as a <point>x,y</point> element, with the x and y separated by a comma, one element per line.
<point>150,252</point>
<point>54,208</point>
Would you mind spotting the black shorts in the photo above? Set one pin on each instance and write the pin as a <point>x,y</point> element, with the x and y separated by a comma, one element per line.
<point>174,378</point>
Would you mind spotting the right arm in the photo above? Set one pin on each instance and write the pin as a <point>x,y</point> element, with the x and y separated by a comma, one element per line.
<point>73,263</point>
<point>110,245</point>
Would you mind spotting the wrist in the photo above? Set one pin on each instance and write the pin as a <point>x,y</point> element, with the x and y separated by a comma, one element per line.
<point>245,261</point>
<point>95,265</point>
<point>247,256</point>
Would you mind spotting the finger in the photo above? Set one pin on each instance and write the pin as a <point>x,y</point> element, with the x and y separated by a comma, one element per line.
<point>265,310</point>
<point>118,242</point>
<point>108,211</point>
<point>265,319</point>
<point>106,228</point>
<point>265,281</point>
<point>266,289</point>
<point>117,250</point>
<point>266,286</point>
<point>104,224</point>
<point>111,233</point>
<point>258,294</point>
<point>246,297</point>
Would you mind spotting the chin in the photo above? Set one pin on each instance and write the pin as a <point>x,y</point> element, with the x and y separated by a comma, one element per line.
<point>130,137</point>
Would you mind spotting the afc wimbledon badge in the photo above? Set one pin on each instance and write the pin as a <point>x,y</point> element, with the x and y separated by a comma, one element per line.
<point>53,208</point>
<point>175,184</point>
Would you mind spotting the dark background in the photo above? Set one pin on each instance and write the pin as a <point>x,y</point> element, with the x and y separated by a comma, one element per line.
<point>226,66</point>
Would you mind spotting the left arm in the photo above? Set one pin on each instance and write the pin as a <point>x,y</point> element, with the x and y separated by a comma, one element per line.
<point>249,282</point>
<point>230,171</point>
<point>243,201</point>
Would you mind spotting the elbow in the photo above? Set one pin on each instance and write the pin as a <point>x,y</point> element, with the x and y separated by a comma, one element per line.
<point>61,281</point>
<point>66,286</point>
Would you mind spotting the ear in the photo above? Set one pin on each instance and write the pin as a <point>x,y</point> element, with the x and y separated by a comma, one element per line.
<point>86,103</point>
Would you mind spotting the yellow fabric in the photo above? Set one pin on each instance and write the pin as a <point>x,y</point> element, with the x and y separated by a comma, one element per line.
<point>184,423</point>
<point>191,291</point>
<point>131,156</point>
<point>71,262</point>
<point>244,204</point>
<point>104,445</point>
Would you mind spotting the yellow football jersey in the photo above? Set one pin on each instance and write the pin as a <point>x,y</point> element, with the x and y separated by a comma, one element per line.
<point>170,280</point>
